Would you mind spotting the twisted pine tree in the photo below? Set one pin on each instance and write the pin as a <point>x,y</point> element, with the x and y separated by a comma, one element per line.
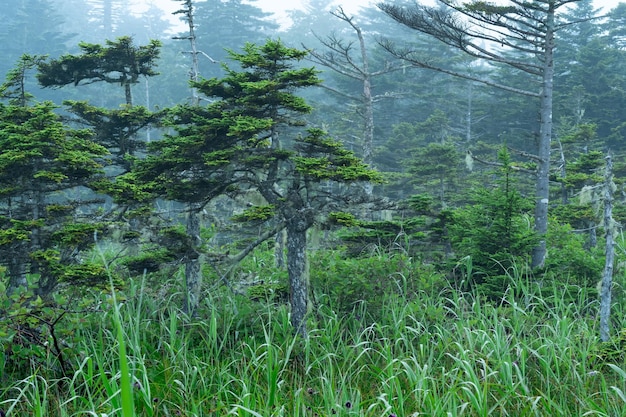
<point>253,137</point>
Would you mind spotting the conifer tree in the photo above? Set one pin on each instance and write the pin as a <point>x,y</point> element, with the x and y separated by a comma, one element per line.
<point>43,166</point>
<point>492,232</point>
<point>117,62</point>
<point>122,63</point>
<point>252,138</point>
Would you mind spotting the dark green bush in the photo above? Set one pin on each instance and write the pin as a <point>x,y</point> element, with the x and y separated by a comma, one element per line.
<point>346,284</point>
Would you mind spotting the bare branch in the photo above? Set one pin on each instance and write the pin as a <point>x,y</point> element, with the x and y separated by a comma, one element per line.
<point>524,154</point>
<point>407,55</point>
<point>341,93</point>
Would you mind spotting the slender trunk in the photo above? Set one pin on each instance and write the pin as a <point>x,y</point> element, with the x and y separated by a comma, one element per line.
<point>148,130</point>
<point>468,115</point>
<point>128,94</point>
<point>442,192</point>
<point>195,65</point>
<point>37,208</point>
<point>593,238</point>
<point>368,111</point>
<point>298,270</point>
<point>368,131</point>
<point>17,274</point>
<point>545,137</point>
<point>193,273</point>
<point>272,178</point>
<point>193,276</point>
<point>563,174</point>
<point>607,277</point>
<point>279,250</point>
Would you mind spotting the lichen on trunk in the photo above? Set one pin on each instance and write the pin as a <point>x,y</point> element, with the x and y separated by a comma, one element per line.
<point>298,271</point>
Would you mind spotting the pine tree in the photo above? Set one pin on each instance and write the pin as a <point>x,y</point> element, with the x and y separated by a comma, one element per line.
<point>43,166</point>
<point>492,233</point>
<point>117,62</point>
<point>252,138</point>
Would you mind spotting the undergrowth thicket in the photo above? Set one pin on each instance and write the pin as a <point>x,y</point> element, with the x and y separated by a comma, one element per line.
<point>403,351</point>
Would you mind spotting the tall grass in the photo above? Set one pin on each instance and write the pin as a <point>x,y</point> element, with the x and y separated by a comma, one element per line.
<point>446,355</point>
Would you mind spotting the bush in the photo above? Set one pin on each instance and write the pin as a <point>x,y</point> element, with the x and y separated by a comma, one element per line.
<point>348,283</point>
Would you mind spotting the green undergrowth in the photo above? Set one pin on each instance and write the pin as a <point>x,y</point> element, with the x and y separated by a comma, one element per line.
<point>427,353</point>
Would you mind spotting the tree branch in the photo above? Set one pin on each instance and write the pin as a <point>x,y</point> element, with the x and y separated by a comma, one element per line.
<point>406,55</point>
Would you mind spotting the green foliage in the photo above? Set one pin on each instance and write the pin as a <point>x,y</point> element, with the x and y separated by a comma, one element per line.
<point>40,335</point>
<point>427,353</point>
<point>421,203</point>
<point>571,261</point>
<point>118,62</point>
<point>36,146</point>
<point>356,284</point>
<point>488,9</point>
<point>42,166</point>
<point>342,218</point>
<point>150,260</point>
<point>364,237</point>
<point>436,161</point>
<point>126,189</point>
<point>116,129</point>
<point>255,213</point>
<point>610,352</point>
<point>584,170</point>
<point>323,158</point>
<point>271,292</point>
<point>77,234</point>
<point>17,230</point>
<point>494,232</point>
<point>267,83</point>
<point>14,88</point>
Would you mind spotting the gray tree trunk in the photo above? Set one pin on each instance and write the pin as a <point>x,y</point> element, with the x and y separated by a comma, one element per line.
<point>298,270</point>
<point>17,274</point>
<point>279,250</point>
<point>607,277</point>
<point>368,103</point>
<point>193,276</point>
<point>545,139</point>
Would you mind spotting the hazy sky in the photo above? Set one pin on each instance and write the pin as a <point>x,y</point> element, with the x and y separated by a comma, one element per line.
<point>281,6</point>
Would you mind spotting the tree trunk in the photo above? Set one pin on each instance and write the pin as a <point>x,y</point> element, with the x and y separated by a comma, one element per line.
<point>298,270</point>
<point>593,238</point>
<point>128,95</point>
<point>193,276</point>
<point>607,277</point>
<point>17,274</point>
<point>279,250</point>
<point>193,270</point>
<point>545,138</point>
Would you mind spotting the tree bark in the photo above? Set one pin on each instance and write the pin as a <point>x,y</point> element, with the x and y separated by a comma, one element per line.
<point>17,274</point>
<point>607,277</point>
<point>298,271</point>
<point>193,276</point>
<point>545,139</point>
<point>128,95</point>
<point>279,250</point>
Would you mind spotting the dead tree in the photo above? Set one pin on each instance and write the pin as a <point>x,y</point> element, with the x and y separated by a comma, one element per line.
<point>607,276</point>
<point>353,62</point>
